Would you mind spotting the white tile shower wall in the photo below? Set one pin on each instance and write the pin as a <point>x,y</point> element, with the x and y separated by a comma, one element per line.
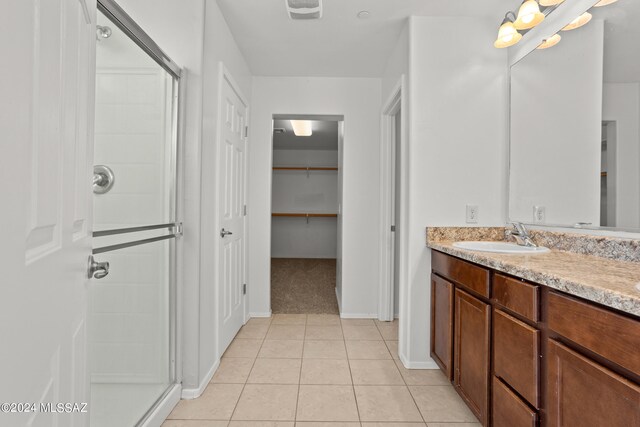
<point>132,133</point>
<point>178,28</point>
<point>129,308</point>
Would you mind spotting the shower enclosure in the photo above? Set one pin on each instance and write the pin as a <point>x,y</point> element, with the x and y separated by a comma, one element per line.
<point>132,308</point>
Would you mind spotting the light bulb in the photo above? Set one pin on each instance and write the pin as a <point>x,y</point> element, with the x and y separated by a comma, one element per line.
<point>529,15</point>
<point>550,42</point>
<point>578,22</point>
<point>507,35</point>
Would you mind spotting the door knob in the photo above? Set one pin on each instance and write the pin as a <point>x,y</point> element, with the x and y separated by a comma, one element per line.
<point>97,270</point>
<point>224,233</point>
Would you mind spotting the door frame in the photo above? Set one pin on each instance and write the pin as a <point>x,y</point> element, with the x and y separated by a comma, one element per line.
<point>340,119</point>
<point>225,75</point>
<point>396,102</point>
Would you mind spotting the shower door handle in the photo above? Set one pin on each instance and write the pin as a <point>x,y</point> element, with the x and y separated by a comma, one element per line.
<point>97,270</point>
<point>224,233</point>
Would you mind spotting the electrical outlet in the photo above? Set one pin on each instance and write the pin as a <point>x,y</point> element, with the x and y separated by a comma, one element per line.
<point>472,214</point>
<point>539,214</point>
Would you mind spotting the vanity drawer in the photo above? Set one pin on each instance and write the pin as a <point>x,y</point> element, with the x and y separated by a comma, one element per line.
<point>517,296</point>
<point>508,410</point>
<point>464,273</point>
<point>516,350</point>
<point>608,334</point>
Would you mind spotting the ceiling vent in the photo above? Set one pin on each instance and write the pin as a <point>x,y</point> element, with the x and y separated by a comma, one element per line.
<point>304,9</point>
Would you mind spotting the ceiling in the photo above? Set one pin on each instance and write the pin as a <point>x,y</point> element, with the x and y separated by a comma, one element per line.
<point>339,44</point>
<point>324,136</point>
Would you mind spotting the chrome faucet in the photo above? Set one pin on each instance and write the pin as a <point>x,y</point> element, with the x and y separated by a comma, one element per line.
<point>521,235</point>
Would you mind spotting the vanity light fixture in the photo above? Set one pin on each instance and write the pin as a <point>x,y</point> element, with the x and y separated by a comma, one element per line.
<point>550,42</point>
<point>547,3</point>
<point>604,3</point>
<point>578,22</point>
<point>507,34</point>
<point>529,15</point>
<point>302,127</point>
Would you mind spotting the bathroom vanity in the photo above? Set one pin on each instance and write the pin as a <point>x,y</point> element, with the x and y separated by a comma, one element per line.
<point>549,352</point>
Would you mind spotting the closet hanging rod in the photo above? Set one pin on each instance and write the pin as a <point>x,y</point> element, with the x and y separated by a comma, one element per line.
<point>299,168</point>
<point>306,215</point>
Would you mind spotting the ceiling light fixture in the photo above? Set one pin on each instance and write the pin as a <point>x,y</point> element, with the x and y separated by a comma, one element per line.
<point>550,42</point>
<point>302,127</point>
<point>547,3</point>
<point>578,22</point>
<point>529,15</point>
<point>304,9</point>
<point>363,14</point>
<point>604,3</point>
<point>507,34</point>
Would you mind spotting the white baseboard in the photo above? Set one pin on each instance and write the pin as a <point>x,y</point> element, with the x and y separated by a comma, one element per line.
<point>359,315</point>
<point>418,364</point>
<point>194,393</point>
<point>258,314</point>
<point>162,411</point>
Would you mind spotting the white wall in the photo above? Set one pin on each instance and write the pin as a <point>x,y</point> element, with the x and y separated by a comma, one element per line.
<point>621,103</point>
<point>457,148</point>
<point>358,100</point>
<point>556,116</point>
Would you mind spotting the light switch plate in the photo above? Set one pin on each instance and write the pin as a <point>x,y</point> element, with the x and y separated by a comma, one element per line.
<point>472,214</point>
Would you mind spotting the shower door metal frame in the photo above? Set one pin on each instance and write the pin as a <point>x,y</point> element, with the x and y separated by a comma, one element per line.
<point>123,21</point>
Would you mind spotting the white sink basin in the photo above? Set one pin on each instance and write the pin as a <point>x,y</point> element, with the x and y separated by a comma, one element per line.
<point>500,247</point>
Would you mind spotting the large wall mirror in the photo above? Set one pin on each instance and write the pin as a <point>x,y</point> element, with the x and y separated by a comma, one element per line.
<point>575,126</point>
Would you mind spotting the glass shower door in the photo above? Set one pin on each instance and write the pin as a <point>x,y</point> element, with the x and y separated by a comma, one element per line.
<point>132,309</point>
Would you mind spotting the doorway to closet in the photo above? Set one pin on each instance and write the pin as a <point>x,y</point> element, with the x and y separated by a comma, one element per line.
<point>306,204</point>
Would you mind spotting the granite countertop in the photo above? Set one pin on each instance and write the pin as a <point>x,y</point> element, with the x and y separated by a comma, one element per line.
<point>602,280</point>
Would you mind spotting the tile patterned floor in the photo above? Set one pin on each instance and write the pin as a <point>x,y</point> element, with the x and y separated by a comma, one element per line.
<point>318,370</point>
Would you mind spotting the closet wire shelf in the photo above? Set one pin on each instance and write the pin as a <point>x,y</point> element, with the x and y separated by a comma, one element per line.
<point>304,215</point>
<point>308,169</point>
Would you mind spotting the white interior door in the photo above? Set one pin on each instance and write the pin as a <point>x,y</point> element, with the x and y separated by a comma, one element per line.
<point>232,199</point>
<point>46,117</point>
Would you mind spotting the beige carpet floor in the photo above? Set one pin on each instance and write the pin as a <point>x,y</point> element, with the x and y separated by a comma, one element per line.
<point>303,286</point>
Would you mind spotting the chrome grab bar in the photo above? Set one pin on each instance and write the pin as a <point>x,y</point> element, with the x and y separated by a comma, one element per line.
<point>130,244</point>
<point>176,228</point>
<point>135,229</point>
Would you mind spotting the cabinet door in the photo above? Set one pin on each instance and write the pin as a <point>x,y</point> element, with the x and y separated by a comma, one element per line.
<point>582,393</point>
<point>471,354</point>
<point>442,324</point>
<point>508,409</point>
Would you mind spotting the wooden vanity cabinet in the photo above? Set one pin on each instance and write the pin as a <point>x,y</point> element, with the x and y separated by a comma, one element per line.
<point>468,363</point>
<point>524,355</point>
